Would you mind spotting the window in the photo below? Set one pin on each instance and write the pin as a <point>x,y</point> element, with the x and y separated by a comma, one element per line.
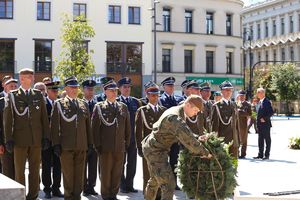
<point>167,19</point>
<point>274,55</point>
<point>291,24</point>
<point>114,14</point>
<point>43,10</point>
<point>229,62</point>
<point>134,16</point>
<point>274,28</point>
<point>258,31</point>
<point>228,24</point>
<point>7,55</point>
<point>282,55</point>
<point>188,21</point>
<point>267,56</point>
<point>209,62</point>
<point>78,10</point>
<point>166,60</point>
<point>209,23</point>
<point>6,9</point>
<point>43,55</point>
<point>266,29</point>
<point>282,26</point>
<point>292,54</point>
<point>188,61</point>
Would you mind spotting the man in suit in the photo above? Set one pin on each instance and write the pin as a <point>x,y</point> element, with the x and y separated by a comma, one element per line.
<point>71,137</point>
<point>244,113</point>
<point>168,100</point>
<point>26,129</point>
<point>263,120</point>
<point>146,116</point>
<point>7,158</point>
<point>90,175</point>
<point>224,119</point>
<point>132,104</point>
<point>49,159</point>
<point>205,92</point>
<point>111,131</point>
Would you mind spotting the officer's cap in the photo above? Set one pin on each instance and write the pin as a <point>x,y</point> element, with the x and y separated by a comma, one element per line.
<point>242,92</point>
<point>168,81</point>
<point>5,78</point>
<point>108,83</point>
<point>124,81</point>
<point>47,79</point>
<point>184,83</point>
<point>89,83</point>
<point>193,84</point>
<point>71,81</point>
<point>26,71</point>
<point>11,81</point>
<point>226,85</point>
<point>53,85</point>
<point>151,88</point>
<point>205,86</point>
<point>217,93</point>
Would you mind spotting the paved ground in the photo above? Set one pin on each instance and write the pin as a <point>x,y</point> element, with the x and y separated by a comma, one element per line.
<point>280,173</point>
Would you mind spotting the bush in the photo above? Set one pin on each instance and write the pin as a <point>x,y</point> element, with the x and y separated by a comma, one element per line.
<point>294,143</point>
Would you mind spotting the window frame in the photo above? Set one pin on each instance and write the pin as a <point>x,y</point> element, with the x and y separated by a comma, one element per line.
<point>114,16</point>
<point>229,62</point>
<point>187,68</point>
<point>12,9</point>
<point>210,69</point>
<point>169,55</point>
<point>167,18</point>
<point>43,63</point>
<point>132,8</point>
<point>12,41</point>
<point>207,20</point>
<point>188,21</point>
<point>85,10</point>
<point>229,28</point>
<point>43,9</point>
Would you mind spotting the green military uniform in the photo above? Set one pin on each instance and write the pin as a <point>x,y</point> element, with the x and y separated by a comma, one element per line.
<point>25,125</point>
<point>169,129</point>
<point>71,131</point>
<point>144,120</point>
<point>244,112</point>
<point>207,108</point>
<point>196,123</point>
<point>111,131</point>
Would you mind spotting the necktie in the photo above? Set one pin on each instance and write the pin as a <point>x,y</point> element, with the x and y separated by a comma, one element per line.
<point>155,109</point>
<point>91,106</point>
<point>127,100</point>
<point>26,92</point>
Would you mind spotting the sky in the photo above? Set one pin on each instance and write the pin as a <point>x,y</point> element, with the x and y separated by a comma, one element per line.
<point>248,2</point>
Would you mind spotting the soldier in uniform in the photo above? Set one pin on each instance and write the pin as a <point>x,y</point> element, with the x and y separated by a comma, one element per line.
<point>4,92</point>
<point>90,175</point>
<point>132,104</point>
<point>111,131</point>
<point>224,118</point>
<point>7,158</point>
<point>168,100</point>
<point>146,116</point>
<point>26,129</point>
<point>244,113</point>
<point>184,90</point>
<point>205,92</point>
<point>169,129</point>
<point>49,159</point>
<point>102,96</point>
<point>71,137</point>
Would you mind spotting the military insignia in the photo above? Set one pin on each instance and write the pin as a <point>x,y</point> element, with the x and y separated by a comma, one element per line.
<point>37,107</point>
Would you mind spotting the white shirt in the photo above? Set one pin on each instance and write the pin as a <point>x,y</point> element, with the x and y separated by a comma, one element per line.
<point>25,90</point>
<point>154,106</point>
<point>260,101</point>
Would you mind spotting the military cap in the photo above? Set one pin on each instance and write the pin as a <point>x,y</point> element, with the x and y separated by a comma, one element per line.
<point>5,78</point>
<point>193,84</point>
<point>47,79</point>
<point>25,71</point>
<point>217,93</point>
<point>184,83</point>
<point>11,81</point>
<point>124,81</point>
<point>108,83</point>
<point>71,81</point>
<point>226,85</point>
<point>53,85</point>
<point>151,88</point>
<point>242,92</point>
<point>88,83</point>
<point>205,86</point>
<point>168,81</point>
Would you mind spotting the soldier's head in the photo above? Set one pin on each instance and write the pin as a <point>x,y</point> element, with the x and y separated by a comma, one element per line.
<point>71,87</point>
<point>110,88</point>
<point>10,85</point>
<point>192,105</point>
<point>217,96</point>
<point>26,76</point>
<point>41,87</point>
<point>226,89</point>
<point>47,80</point>
<point>88,89</point>
<point>183,86</point>
<point>242,95</point>
<point>4,79</point>
<point>124,85</point>
<point>52,89</point>
<point>152,92</point>
<point>260,93</point>
<point>205,91</point>
<point>193,87</point>
<point>168,85</point>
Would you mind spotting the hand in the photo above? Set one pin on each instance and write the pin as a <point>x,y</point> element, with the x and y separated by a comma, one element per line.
<point>45,144</point>
<point>203,138</point>
<point>140,152</point>
<point>262,120</point>
<point>10,146</point>
<point>57,150</point>
<point>90,150</point>
<point>2,149</point>
<point>209,156</point>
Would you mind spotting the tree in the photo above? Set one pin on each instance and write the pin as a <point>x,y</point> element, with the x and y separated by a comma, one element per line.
<point>75,58</point>
<point>286,80</point>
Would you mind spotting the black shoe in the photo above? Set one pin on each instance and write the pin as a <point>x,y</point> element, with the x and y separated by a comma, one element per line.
<point>124,190</point>
<point>242,157</point>
<point>177,187</point>
<point>132,190</point>
<point>258,157</point>
<point>57,193</point>
<point>266,158</point>
<point>48,195</point>
<point>93,192</point>
<point>114,198</point>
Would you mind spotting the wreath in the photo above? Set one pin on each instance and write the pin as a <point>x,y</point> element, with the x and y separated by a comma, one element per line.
<point>204,178</point>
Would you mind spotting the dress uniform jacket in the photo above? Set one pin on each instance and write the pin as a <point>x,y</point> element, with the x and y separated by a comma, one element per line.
<point>207,114</point>
<point>170,101</point>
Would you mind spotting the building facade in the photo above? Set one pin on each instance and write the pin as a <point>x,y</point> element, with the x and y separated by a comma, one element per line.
<point>199,40</point>
<point>30,34</point>
<point>271,32</point>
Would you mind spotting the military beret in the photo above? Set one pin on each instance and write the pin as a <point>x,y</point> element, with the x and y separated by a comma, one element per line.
<point>242,92</point>
<point>25,71</point>
<point>226,85</point>
<point>71,81</point>
<point>168,81</point>
<point>193,84</point>
<point>11,81</point>
<point>151,88</point>
<point>108,83</point>
<point>217,93</point>
<point>184,83</point>
<point>204,86</point>
<point>53,85</point>
<point>88,83</point>
<point>124,81</point>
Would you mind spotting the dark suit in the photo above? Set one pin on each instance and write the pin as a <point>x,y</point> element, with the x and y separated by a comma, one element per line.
<point>265,111</point>
<point>49,159</point>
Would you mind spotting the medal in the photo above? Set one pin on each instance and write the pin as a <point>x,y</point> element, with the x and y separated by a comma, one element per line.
<point>37,107</point>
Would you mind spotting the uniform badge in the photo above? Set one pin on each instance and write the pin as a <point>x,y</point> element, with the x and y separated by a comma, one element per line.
<point>37,107</point>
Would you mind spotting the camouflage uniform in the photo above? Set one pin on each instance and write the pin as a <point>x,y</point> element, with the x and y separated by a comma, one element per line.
<point>170,128</point>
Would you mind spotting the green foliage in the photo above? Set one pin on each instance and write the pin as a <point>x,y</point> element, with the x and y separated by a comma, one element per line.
<point>294,143</point>
<point>214,181</point>
<point>75,59</point>
<point>263,78</point>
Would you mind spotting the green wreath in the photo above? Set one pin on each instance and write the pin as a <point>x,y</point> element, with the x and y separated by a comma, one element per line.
<point>207,179</point>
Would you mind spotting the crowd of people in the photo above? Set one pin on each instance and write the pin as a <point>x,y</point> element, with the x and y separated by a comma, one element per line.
<point>73,137</point>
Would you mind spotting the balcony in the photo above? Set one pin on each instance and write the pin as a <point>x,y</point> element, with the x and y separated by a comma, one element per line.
<point>8,66</point>
<point>43,66</point>
<point>124,68</point>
